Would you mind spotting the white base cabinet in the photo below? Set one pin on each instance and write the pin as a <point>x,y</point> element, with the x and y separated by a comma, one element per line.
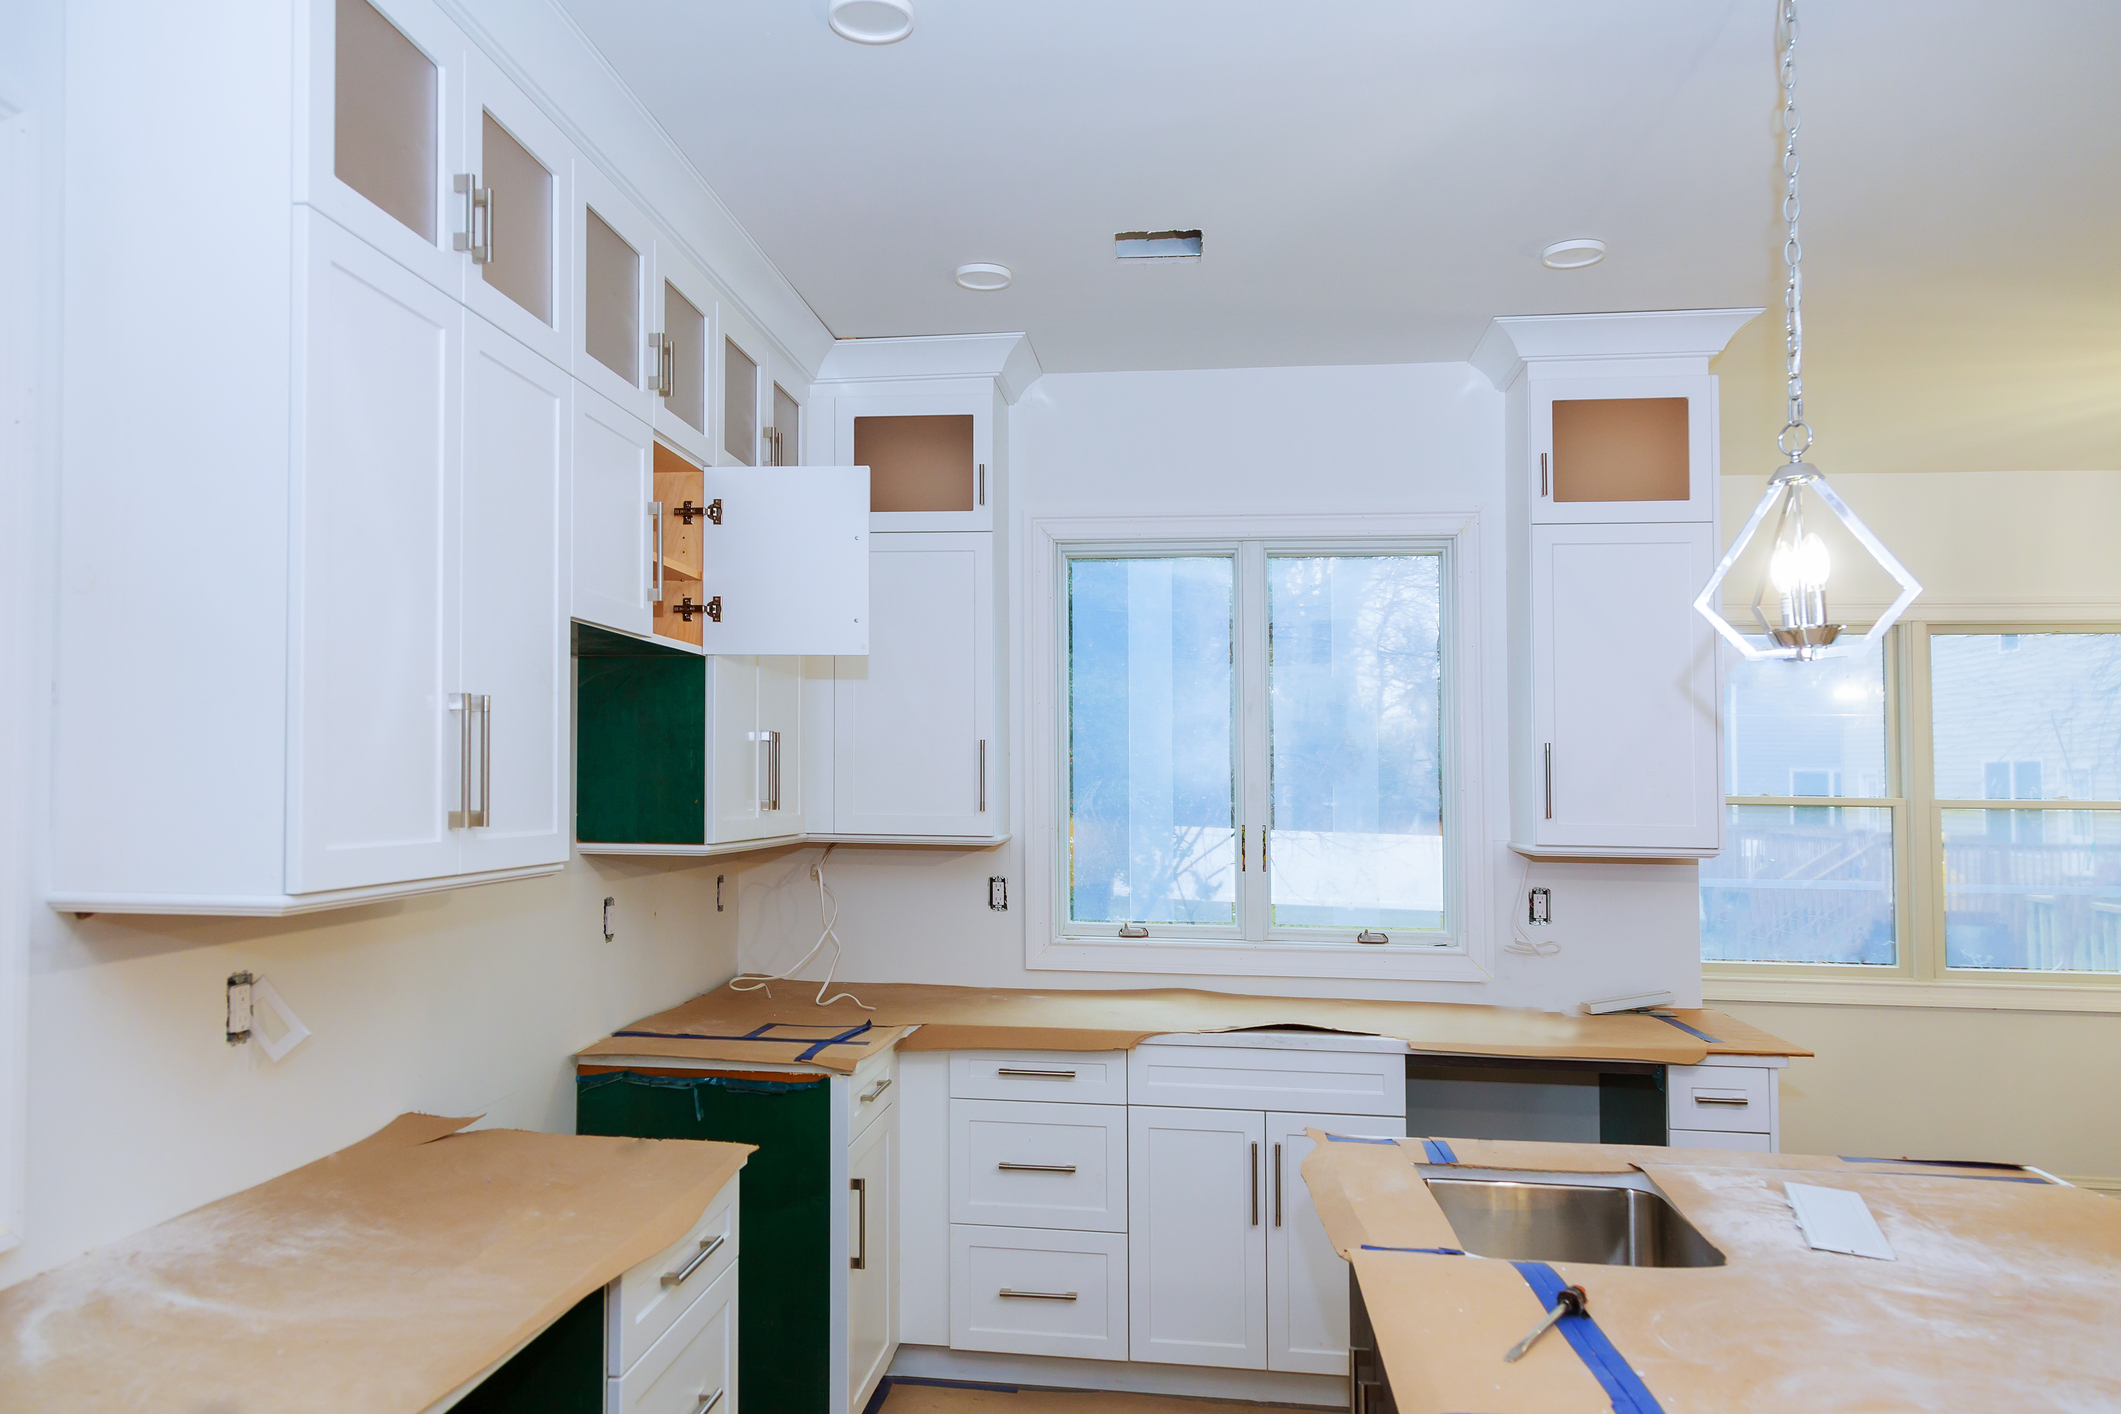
<point>1197,1265</point>
<point>671,1322</point>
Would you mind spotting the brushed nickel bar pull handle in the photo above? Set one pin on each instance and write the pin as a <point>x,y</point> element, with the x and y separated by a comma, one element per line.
<point>1036,1168</point>
<point>707,1249</point>
<point>482,249</point>
<point>655,518</point>
<point>877,1089</point>
<point>460,817</point>
<point>860,1260</point>
<point>983,775</point>
<point>1277,1185</point>
<point>1543,474</point>
<point>1252,1172</point>
<point>708,1401</point>
<point>774,751</point>
<point>1036,1295</point>
<point>1738,1101</point>
<point>1035,1074</point>
<point>981,481</point>
<point>1550,779</point>
<point>485,815</point>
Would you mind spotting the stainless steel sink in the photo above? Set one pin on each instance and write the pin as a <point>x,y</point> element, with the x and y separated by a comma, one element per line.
<point>1566,1222</point>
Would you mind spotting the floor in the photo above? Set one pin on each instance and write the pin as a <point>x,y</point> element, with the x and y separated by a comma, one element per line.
<point>905,1398</point>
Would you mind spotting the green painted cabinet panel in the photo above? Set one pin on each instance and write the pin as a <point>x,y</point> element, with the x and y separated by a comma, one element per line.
<point>784,1299</point>
<point>640,741</point>
<point>560,1372</point>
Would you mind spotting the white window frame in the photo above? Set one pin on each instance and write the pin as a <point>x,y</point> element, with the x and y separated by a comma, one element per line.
<point>1921,977</point>
<point>21,717</point>
<point>1051,944</point>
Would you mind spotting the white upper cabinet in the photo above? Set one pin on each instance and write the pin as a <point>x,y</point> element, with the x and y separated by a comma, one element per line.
<point>1621,449</point>
<point>514,200</point>
<point>614,522</point>
<point>1623,684</point>
<point>617,293</point>
<point>683,356</point>
<point>383,138</point>
<point>930,455</point>
<point>784,563</point>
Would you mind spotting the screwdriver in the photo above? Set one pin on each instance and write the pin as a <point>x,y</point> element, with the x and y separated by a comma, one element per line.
<point>1569,1301</point>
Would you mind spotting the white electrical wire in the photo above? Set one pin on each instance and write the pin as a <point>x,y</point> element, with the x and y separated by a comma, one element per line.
<point>763,981</point>
<point>1519,943</point>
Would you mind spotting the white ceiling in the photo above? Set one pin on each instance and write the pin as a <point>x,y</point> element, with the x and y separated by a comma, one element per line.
<point>1376,178</point>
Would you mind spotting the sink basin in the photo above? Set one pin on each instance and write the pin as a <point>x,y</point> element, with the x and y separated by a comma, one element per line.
<point>1566,1222</point>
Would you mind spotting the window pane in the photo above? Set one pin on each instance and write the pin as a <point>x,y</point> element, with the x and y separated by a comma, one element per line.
<point>1152,836</point>
<point>1353,678</point>
<point>2026,716</point>
<point>1807,728</point>
<point>1800,883</point>
<point>2033,889</point>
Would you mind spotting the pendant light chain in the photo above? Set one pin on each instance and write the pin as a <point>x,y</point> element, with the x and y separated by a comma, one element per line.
<point>1796,435</point>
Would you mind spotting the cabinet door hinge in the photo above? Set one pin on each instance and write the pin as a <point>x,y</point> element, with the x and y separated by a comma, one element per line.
<point>685,608</point>
<point>712,510</point>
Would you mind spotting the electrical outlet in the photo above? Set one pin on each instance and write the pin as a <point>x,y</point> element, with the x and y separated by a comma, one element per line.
<point>1539,906</point>
<point>609,904</point>
<point>998,893</point>
<point>239,985</point>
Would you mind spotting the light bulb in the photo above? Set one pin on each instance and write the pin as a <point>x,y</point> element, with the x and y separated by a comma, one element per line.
<point>1812,562</point>
<point>1782,569</point>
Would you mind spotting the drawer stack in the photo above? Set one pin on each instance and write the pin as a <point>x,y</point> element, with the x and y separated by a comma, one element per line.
<point>1715,1106</point>
<point>1038,1203</point>
<point>670,1339</point>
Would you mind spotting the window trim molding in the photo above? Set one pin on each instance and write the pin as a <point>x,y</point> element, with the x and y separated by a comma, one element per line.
<point>1046,944</point>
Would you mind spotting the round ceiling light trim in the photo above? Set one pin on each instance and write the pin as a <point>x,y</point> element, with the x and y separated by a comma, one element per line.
<point>984,277</point>
<point>1572,255</point>
<point>871,21</point>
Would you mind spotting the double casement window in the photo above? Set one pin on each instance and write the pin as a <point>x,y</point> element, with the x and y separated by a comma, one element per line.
<point>1948,811</point>
<point>1255,742</point>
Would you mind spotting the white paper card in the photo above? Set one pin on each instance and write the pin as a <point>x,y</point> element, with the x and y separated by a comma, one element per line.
<point>1837,1220</point>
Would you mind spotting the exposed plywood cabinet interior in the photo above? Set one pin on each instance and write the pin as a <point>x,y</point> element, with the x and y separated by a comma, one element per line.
<point>740,403</point>
<point>612,301</point>
<point>518,251</point>
<point>918,463</point>
<point>386,122</point>
<point>680,489</point>
<point>1620,449</point>
<point>684,371</point>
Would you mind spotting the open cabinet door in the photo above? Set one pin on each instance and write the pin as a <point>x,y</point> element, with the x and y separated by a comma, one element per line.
<point>788,560</point>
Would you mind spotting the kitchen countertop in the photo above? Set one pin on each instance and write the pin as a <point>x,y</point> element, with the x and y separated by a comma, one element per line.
<point>382,1278</point>
<point>730,1026</point>
<point>2001,1294</point>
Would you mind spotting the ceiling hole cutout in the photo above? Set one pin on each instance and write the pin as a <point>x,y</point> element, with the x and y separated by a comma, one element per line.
<point>1572,255</point>
<point>984,277</point>
<point>1157,245</point>
<point>872,21</point>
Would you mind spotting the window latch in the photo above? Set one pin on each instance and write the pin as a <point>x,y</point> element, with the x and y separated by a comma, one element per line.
<point>1134,930</point>
<point>1367,936</point>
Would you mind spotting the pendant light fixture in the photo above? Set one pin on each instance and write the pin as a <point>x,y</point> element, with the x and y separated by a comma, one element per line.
<point>1799,566</point>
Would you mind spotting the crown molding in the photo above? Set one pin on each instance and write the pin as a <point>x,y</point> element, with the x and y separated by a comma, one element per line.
<point>1514,340</point>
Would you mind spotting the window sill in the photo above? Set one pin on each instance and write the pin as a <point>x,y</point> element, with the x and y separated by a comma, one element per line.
<point>1226,959</point>
<point>2092,998</point>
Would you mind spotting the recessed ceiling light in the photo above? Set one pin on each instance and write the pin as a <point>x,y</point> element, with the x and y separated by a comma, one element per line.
<point>871,21</point>
<point>1572,255</point>
<point>984,277</point>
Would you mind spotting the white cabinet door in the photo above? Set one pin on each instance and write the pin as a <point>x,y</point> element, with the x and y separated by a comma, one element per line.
<point>682,309</point>
<point>512,614</point>
<point>382,105</point>
<point>1624,688</point>
<point>1562,494</point>
<point>780,744</point>
<point>1307,1281</point>
<point>872,1278</point>
<point>519,210</point>
<point>614,267</point>
<point>736,756</point>
<point>613,528</point>
<point>1196,1243</point>
<point>374,769</point>
<point>945,466</point>
<point>789,560</point>
<point>913,722</point>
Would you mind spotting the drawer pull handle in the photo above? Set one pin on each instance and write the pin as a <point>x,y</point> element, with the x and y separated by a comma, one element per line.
<point>879,1088</point>
<point>708,1401</point>
<point>1035,1074</point>
<point>708,1247</point>
<point>1737,1101</point>
<point>1036,1168</point>
<point>1036,1295</point>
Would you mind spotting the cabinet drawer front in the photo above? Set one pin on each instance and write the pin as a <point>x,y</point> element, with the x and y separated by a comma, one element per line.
<point>870,1091</point>
<point>1720,1097</point>
<point>695,1361</point>
<point>1229,1078</point>
<point>654,1295</point>
<point>1070,1292</point>
<point>1023,1165</point>
<point>1721,1139</point>
<point>1079,1077</point>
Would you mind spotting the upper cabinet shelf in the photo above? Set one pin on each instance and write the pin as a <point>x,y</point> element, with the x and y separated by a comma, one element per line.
<point>1620,449</point>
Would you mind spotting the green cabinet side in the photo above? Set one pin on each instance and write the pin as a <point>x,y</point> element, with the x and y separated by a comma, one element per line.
<point>785,1217</point>
<point>640,742</point>
<point>559,1372</point>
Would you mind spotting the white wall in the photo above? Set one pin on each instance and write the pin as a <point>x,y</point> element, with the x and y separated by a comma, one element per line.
<point>1403,438</point>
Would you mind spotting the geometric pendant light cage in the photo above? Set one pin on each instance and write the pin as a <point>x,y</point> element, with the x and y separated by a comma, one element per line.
<point>1794,579</point>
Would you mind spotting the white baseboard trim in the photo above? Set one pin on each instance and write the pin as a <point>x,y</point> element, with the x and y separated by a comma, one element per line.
<point>935,1362</point>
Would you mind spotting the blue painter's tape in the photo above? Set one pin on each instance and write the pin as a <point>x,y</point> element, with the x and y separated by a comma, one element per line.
<point>840,1040</point>
<point>1439,1152</point>
<point>1619,1380</point>
<point>845,1038</point>
<point>1675,1021</point>
<point>1352,1139</point>
<point>1431,1251</point>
